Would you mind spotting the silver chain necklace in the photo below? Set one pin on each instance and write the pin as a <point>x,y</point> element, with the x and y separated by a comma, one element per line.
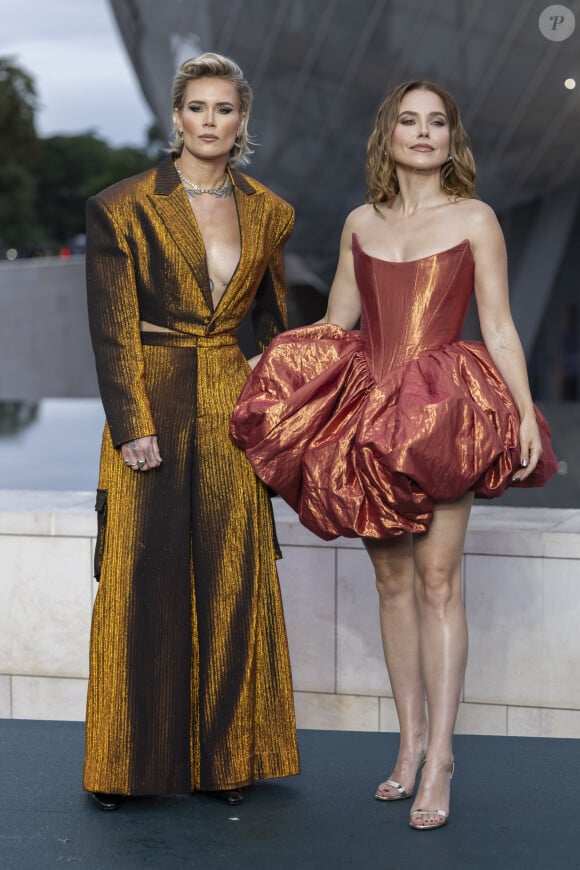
<point>225,187</point>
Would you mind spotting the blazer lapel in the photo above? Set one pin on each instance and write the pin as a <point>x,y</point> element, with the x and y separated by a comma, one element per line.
<point>250,207</point>
<point>170,201</point>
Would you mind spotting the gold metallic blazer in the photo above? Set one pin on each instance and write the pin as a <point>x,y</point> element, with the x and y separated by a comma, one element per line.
<point>146,261</point>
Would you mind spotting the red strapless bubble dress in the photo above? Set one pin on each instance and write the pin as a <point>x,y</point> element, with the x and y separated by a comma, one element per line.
<point>363,432</point>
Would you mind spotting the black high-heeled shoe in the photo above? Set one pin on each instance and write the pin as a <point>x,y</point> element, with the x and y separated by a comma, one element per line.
<point>230,796</point>
<point>107,802</point>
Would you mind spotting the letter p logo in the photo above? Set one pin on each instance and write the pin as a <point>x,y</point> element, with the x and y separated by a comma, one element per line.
<point>557,23</point>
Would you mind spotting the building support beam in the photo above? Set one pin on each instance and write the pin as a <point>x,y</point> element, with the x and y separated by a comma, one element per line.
<point>534,282</point>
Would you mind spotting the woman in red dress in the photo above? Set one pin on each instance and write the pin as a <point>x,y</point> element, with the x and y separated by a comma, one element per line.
<point>388,433</point>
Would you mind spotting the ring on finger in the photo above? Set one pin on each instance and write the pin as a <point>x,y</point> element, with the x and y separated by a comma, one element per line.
<point>141,463</point>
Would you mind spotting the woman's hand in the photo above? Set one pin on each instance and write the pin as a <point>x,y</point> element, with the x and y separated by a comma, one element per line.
<point>142,454</point>
<point>531,447</point>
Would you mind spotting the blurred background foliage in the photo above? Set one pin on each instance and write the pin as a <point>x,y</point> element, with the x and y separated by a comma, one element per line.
<point>45,182</point>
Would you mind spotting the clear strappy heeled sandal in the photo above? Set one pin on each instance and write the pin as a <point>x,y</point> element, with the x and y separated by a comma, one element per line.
<point>402,793</point>
<point>439,817</point>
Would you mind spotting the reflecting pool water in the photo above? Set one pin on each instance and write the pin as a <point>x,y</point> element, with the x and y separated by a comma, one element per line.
<point>54,444</point>
<point>50,444</point>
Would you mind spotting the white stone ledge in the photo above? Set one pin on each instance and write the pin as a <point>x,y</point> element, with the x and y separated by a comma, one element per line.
<point>40,512</point>
<point>521,574</point>
<point>541,532</point>
<point>360,713</point>
<point>544,532</point>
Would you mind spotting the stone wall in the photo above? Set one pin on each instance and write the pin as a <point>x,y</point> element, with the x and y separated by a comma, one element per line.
<point>521,570</point>
<point>45,347</point>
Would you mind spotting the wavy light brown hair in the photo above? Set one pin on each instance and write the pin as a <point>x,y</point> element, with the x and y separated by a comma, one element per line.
<point>457,174</point>
<point>212,65</point>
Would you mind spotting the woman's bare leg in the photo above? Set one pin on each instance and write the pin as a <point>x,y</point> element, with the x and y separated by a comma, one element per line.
<point>443,645</point>
<point>393,563</point>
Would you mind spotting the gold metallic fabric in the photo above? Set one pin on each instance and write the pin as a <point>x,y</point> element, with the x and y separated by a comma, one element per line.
<point>190,684</point>
<point>363,432</point>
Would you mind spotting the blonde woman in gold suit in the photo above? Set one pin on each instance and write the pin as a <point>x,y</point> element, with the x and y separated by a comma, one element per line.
<point>190,685</point>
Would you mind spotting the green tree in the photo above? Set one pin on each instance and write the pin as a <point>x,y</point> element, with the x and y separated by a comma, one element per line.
<point>44,183</point>
<point>18,217</point>
<point>18,139</point>
<point>18,156</point>
<point>72,168</point>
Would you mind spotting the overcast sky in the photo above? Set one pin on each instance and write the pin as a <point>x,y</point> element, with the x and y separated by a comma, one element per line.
<point>83,76</point>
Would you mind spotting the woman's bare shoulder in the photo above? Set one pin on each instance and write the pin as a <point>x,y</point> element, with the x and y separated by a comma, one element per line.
<point>476,212</point>
<point>359,218</point>
<point>480,225</point>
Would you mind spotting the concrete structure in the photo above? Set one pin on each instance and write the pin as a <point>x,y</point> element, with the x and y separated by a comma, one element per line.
<point>521,590</point>
<point>45,347</point>
<point>319,69</point>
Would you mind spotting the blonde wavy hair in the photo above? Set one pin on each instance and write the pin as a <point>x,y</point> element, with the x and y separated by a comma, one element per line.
<point>457,174</point>
<point>214,65</point>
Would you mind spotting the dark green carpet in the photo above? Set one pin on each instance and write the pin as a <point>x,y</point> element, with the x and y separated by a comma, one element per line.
<point>514,806</point>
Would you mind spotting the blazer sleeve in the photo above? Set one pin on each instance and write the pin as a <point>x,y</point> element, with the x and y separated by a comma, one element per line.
<point>114,325</point>
<point>269,315</point>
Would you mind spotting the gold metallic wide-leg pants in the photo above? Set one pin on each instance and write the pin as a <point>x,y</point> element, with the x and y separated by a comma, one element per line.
<point>190,685</point>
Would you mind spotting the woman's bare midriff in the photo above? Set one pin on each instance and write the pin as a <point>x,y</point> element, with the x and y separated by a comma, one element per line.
<point>144,326</point>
